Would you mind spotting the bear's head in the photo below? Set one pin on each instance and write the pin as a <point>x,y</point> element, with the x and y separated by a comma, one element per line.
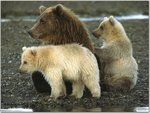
<point>109,29</point>
<point>28,60</point>
<point>47,23</point>
<point>59,25</point>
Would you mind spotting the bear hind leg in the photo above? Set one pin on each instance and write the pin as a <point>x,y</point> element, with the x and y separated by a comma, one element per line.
<point>78,88</point>
<point>123,83</point>
<point>93,85</point>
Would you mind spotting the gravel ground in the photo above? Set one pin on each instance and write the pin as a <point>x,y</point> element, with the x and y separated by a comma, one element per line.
<point>17,89</point>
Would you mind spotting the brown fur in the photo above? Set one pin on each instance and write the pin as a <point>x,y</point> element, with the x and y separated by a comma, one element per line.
<point>59,25</point>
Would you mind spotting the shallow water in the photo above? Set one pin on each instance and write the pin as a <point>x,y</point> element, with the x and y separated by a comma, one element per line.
<point>81,109</point>
<point>85,19</point>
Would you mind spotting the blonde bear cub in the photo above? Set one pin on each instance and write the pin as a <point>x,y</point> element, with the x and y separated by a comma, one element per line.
<point>64,62</point>
<point>120,69</point>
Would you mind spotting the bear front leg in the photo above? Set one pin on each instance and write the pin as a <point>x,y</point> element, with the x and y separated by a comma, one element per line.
<point>55,79</point>
<point>78,88</point>
<point>58,89</point>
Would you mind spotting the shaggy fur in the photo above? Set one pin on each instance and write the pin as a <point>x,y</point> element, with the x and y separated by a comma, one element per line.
<point>58,25</point>
<point>73,62</point>
<point>120,68</point>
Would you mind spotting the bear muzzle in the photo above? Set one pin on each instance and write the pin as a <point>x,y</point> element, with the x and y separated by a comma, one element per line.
<point>30,33</point>
<point>35,35</point>
<point>21,71</point>
<point>95,34</point>
<point>28,30</point>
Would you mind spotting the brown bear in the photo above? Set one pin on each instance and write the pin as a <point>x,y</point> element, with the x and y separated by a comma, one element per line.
<point>58,25</point>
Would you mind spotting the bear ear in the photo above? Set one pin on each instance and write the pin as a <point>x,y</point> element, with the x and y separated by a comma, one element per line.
<point>33,52</point>
<point>59,9</point>
<point>42,9</point>
<point>24,48</point>
<point>105,18</point>
<point>112,20</point>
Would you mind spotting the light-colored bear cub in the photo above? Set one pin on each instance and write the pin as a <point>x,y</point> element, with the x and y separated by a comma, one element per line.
<point>64,62</point>
<point>120,69</point>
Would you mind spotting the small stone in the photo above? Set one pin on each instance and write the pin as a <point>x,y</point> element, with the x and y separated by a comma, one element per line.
<point>138,61</point>
<point>9,28</point>
<point>20,32</point>
<point>9,61</point>
<point>28,84</point>
<point>33,100</point>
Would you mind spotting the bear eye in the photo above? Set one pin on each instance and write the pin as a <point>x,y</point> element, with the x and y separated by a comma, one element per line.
<point>25,62</point>
<point>102,27</point>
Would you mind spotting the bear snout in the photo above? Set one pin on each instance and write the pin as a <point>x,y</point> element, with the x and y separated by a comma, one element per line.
<point>95,34</point>
<point>28,30</point>
<point>20,71</point>
<point>30,33</point>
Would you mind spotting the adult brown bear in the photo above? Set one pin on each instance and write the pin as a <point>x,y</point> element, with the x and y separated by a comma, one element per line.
<point>58,25</point>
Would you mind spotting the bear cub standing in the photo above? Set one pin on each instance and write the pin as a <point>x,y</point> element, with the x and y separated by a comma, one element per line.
<point>120,69</point>
<point>64,62</point>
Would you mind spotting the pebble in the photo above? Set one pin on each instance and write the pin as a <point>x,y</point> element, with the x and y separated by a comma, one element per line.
<point>12,95</point>
<point>138,61</point>
<point>9,61</point>
<point>9,28</point>
<point>28,84</point>
<point>19,98</point>
<point>33,100</point>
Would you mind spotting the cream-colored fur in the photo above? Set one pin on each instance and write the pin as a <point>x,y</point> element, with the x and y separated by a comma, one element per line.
<point>120,69</point>
<point>64,62</point>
